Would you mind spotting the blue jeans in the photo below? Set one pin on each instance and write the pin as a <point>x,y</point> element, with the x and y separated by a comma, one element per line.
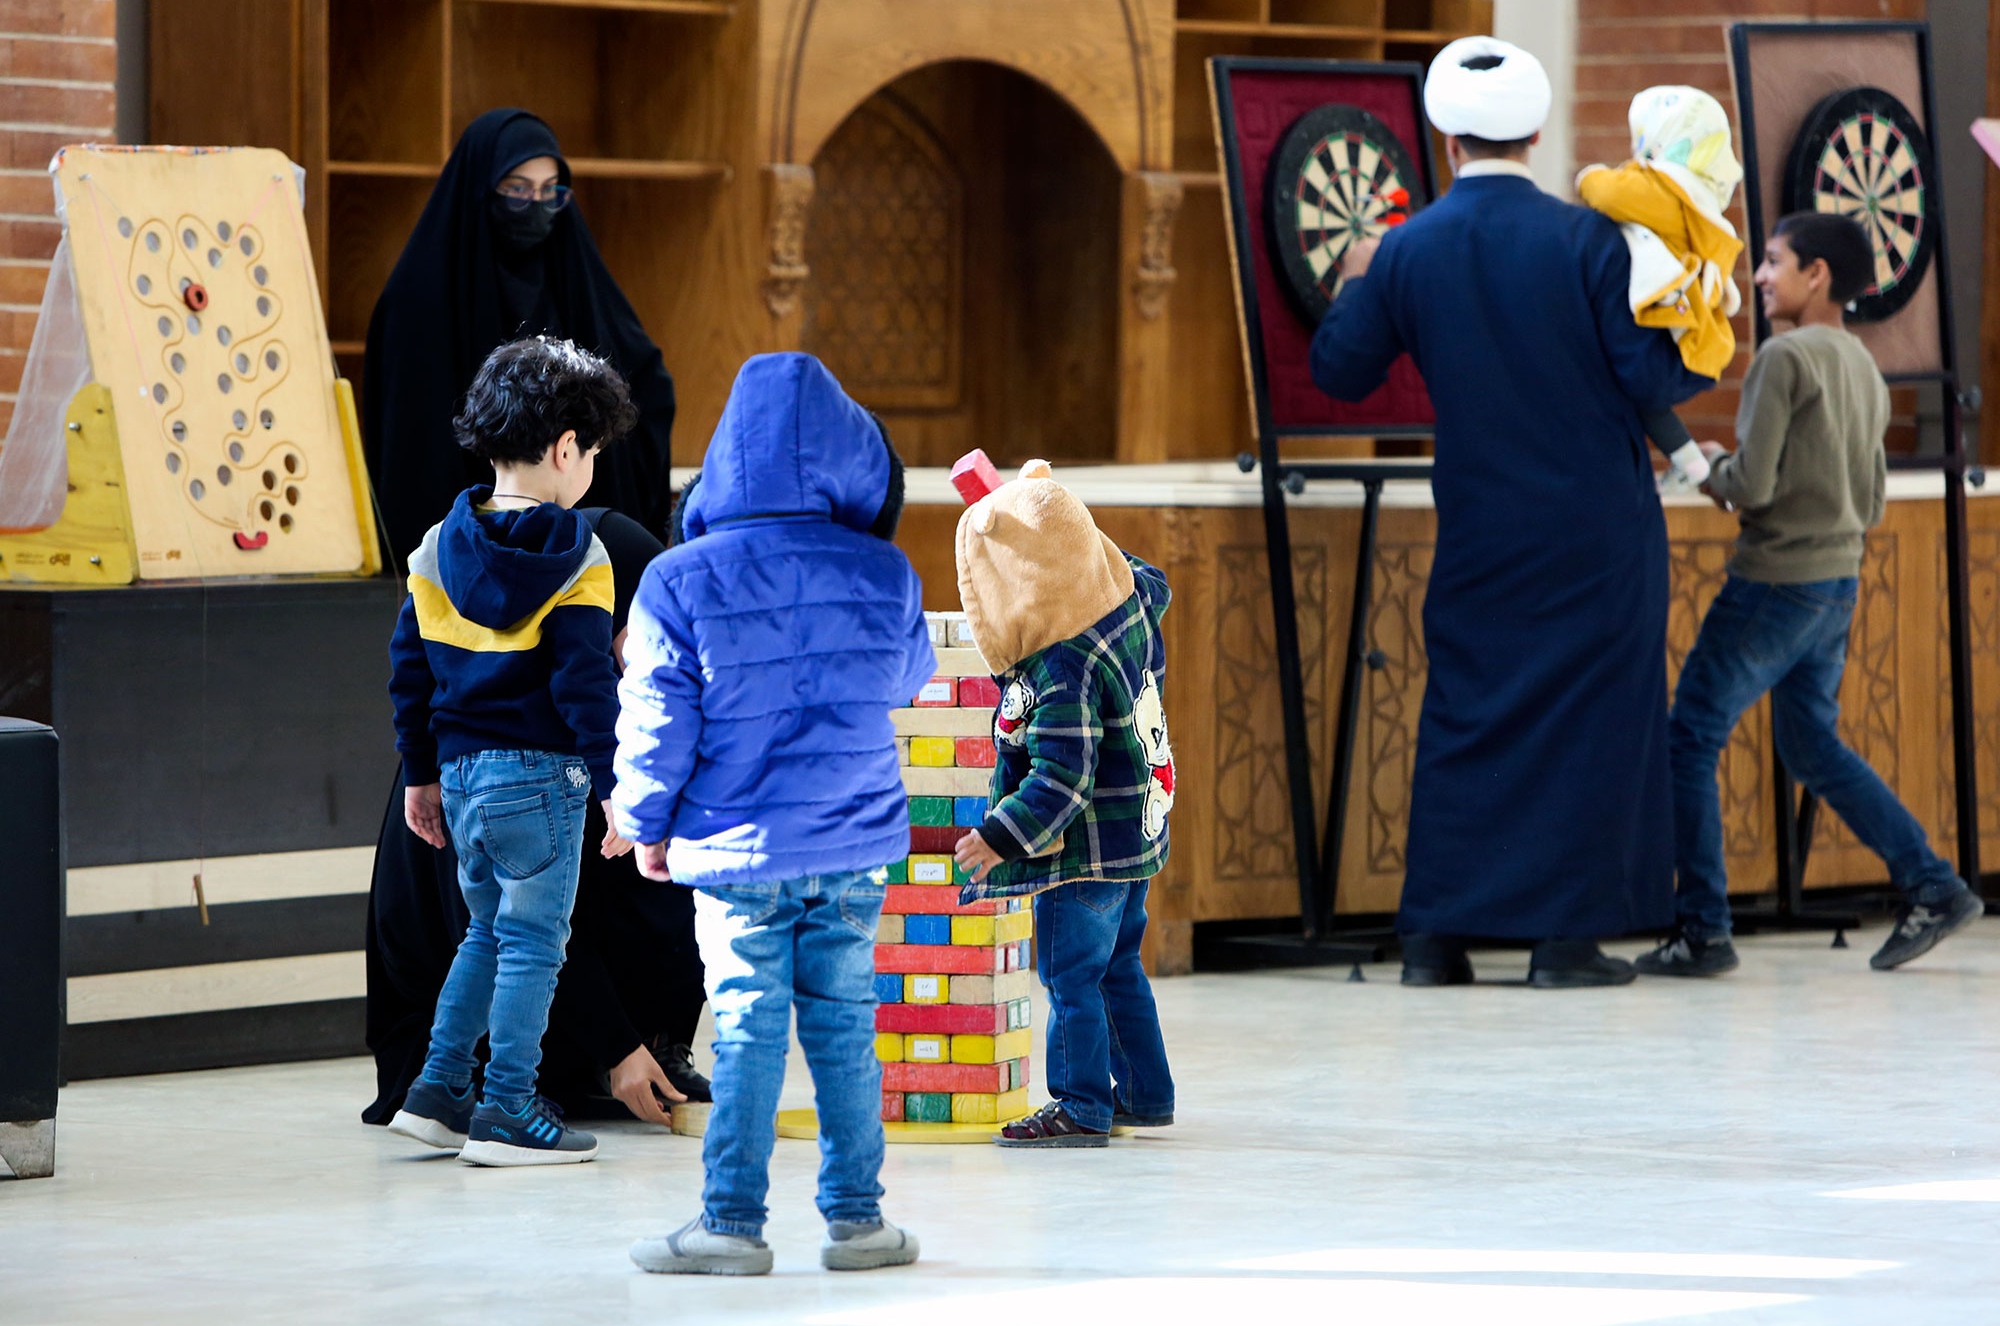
<point>1790,640</point>
<point>807,943</point>
<point>1102,1022</point>
<point>516,820</point>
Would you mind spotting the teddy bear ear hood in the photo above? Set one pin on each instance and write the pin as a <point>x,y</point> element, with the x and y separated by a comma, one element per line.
<point>1033,568</point>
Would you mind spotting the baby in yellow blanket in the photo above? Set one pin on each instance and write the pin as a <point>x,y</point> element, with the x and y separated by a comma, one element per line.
<point>1668,201</point>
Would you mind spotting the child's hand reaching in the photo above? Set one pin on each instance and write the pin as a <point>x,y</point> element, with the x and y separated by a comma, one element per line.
<point>613,846</point>
<point>423,811</point>
<point>653,862</point>
<point>975,856</point>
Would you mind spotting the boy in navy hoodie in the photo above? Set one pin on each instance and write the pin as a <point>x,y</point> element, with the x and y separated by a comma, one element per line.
<point>506,708</point>
<point>757,765</point>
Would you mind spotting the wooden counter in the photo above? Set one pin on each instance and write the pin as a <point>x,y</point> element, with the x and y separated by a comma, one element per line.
<point>1232,856</point>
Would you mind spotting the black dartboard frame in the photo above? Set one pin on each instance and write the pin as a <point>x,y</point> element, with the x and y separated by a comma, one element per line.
<point>1861,153</point>
<point>1360,165</point>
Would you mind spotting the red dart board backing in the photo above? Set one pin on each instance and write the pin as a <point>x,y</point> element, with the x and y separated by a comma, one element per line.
<point>1339,175</point>
<point>1860,153</point>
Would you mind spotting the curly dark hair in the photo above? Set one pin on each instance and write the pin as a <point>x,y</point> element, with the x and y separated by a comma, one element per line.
<point>530,392</point>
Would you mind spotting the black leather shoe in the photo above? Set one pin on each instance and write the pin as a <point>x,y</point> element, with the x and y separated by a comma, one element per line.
<point>1576,964</point>
<point>1435,960</point>
<point>677,1061</point>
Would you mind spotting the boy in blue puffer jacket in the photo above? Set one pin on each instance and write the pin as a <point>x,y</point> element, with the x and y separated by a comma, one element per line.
<point>757,764</point>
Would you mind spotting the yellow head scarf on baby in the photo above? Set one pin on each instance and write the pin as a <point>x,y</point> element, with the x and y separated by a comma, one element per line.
<point>1685,127</point>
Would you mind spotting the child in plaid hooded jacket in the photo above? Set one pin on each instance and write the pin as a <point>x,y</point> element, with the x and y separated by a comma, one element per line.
<point>1082,785</point>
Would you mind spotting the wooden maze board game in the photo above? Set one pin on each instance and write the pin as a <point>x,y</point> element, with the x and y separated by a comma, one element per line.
<point>202,313</point>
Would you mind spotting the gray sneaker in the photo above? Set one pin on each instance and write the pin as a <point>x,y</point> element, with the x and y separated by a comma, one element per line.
<point>1919,928</point>
<point>535,1136</point>
<point>866,1247</point>
<point>695,1249</point>
<point>1682,956</point>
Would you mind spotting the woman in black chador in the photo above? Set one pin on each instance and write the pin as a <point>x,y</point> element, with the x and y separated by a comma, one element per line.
<point>499,254</point>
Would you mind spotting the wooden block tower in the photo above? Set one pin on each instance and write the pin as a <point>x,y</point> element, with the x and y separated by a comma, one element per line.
<point>953,1028</point>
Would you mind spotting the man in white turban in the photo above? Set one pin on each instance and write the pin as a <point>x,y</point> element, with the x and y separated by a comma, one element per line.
<point>1541,809</point>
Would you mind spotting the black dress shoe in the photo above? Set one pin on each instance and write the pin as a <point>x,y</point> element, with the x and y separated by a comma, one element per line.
<point>677,1061</point>
<point>1435,960</point>
<point>1576,964</point>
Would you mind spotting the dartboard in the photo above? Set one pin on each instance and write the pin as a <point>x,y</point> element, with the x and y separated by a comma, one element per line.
<point>1862,154</point>
<point>1339,175</point>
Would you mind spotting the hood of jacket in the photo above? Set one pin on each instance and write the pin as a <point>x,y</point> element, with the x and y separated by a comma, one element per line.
<point>1033,568</point>
<point>790,443</point>
<point>498,567</point>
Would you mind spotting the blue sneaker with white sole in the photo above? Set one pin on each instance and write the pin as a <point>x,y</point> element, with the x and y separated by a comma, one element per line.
<point>535,1136</point>
<point>435,1115</point>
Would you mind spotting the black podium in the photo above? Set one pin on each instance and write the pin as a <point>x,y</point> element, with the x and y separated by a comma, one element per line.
<point>31,965</point>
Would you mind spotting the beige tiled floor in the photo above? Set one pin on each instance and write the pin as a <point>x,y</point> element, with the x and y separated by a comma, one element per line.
<point>1803,1142</point>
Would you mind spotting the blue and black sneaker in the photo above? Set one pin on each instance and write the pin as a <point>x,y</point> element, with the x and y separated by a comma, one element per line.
<point>435,1115</point>
<point>535,1136</point>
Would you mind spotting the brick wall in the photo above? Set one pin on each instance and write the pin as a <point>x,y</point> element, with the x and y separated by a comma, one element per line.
<point>58,63</point>
<point>1625,46</point>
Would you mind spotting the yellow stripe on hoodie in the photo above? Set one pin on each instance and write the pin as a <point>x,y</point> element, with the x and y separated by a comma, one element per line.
<point>439,621</point>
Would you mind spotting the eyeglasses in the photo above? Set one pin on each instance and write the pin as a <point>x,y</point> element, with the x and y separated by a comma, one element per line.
<point>519,197</point>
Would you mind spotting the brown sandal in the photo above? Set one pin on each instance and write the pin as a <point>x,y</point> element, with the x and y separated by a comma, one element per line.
<point>1050,1126</point>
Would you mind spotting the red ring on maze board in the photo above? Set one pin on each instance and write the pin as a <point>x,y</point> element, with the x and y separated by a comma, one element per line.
<point>195,296</point>
<point>252,542</point>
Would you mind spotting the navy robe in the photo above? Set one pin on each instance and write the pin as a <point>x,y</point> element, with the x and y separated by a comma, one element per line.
<point>1541,807</point>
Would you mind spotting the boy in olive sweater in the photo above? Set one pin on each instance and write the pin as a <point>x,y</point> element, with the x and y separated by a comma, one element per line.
<point>1808,479</point>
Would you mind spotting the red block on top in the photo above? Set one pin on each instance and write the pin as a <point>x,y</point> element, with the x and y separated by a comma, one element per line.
<point>978,693</point>
<point>942,1019</point>
<point>974,476</point>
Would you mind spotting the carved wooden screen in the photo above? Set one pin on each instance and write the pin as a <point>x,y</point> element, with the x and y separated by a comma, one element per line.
<point>885,243</point>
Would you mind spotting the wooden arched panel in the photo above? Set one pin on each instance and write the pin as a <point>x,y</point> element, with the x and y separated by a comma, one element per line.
<point>1109,59</point>
<point>886,242</point>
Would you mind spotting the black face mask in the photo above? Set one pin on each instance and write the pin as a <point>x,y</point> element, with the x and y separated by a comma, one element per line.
<point>523,229</point>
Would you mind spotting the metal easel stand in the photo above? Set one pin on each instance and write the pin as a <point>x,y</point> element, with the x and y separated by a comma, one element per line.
<point>1318,942</point>
<point>1788,910</point>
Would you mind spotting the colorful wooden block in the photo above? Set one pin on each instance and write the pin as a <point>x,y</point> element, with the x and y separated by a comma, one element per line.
<point>979,693</point>
<point>974,476</point>
<point>1001,989</point>
<point>937,693</point>
<point>939,626</point>
<point>930,929</point>
<point>1013,957</point>
<point>888,1047</point>
<point>949,1077</point>
<point>968,812</point>
<point>888,989</point>
<point>980,1107</point>
<point>943,722</point>
<point>933,752</point>
<point>930,869</point>
<point>934,839</point>
<point>976,1049</point>
<point>943,959</point>
<point>926,1049</point>
<point>974,752</point>
<point>1020,1013</point>
<point>889,930</point>
<point>892,1107</point>
<point>898,872</point>
<point>902,750</point>
<point>927,898</point>
<point>927,1107</point>
<point>946,1019</point>
<point>931,810</point>
<point>1013,928</point>
<point>947,782</point>
<point>972,930</point>
<point>961,661</point>
<point>960,628</point>
<point>925,988</point>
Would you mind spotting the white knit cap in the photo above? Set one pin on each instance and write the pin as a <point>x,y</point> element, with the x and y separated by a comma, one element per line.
<point>1488,88</point>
